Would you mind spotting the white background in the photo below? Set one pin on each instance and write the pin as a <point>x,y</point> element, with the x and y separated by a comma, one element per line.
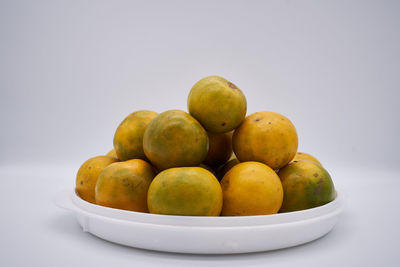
<point>70,71</point>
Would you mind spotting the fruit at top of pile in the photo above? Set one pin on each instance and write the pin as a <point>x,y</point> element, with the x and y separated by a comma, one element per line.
<point>266,137</point>
<point>220,149</point>
<point>112,153</point>
<point>251,188</point>
<point>124,185</point>
<point>128,138</point>
<point>304,156</point>
<point>191,191</point>
<point>306,185</point>
<point>219,105</point>
<point>88,174</point>
<point>175,139</point>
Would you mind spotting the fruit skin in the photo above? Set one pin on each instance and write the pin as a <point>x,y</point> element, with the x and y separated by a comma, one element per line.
<point>128,138</point>
<point>304,156</point>
<point>124,185</point>
<point>220,149</point>
<point>191,191</point>
<point>266,137</point>
<point>306,185</point>
<point>251,188</point>
<point>222,170</point>
<point>112,153</point>
<point>175,139</point>
<point>219,105</point>
<point>88,174</point>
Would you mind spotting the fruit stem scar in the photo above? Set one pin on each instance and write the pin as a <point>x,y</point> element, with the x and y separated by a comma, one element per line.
<point>231,85</point>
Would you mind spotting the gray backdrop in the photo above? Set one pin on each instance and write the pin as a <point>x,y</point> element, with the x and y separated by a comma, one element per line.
<point>70,71</point>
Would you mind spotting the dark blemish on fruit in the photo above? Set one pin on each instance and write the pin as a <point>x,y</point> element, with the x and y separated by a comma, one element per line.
<point>163,183</point>
<point>223,123</point>
<point>258,119</point>
<point>137,185</point>
<point>90,167</point>
<point>318,190</point>
<point>269,122</point>
<point>315,174</point>
<point>299,153</point>
<point>282,119</point>
<point>295,161</point>
<point>225,183</point>
<point>197,139</point>
<point>165,135</point>
<point>81,182</point>
<point>231,85</point>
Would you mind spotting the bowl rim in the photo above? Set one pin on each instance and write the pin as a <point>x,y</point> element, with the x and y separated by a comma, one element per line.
<point>332,208</point>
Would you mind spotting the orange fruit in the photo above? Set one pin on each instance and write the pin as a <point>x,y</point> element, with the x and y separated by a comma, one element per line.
<point>304,156</point>
<point>88,174</point>
<point>128,138</point>
<point>124,185</point>
<point>251,188</point>
<point>266,137</point>
<point>306,184</point>
<point>191,191</point>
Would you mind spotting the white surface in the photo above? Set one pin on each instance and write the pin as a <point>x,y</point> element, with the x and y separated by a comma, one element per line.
<point>202,235</point>
<point>37,232</point>
<point>70,71</point>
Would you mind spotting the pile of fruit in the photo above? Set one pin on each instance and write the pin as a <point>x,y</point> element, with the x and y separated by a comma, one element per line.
<point>210,161</point>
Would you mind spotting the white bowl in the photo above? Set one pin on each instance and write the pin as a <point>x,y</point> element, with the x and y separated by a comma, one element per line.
<point>203,235</point>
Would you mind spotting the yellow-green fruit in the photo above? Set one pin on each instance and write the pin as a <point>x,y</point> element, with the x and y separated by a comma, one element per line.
<point>88,174</point>
<point>219,105</point>
<point>124,185</point>
<point>222,170</point>
<point>112,153</point>
<point>175,139</point>
<point>304,156</point>
<point>266,137</point>
<point>251,188</point>
<point>128,138</point>
<point>306,185</point>
<point>191,191</point>
<point>220,149</point>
